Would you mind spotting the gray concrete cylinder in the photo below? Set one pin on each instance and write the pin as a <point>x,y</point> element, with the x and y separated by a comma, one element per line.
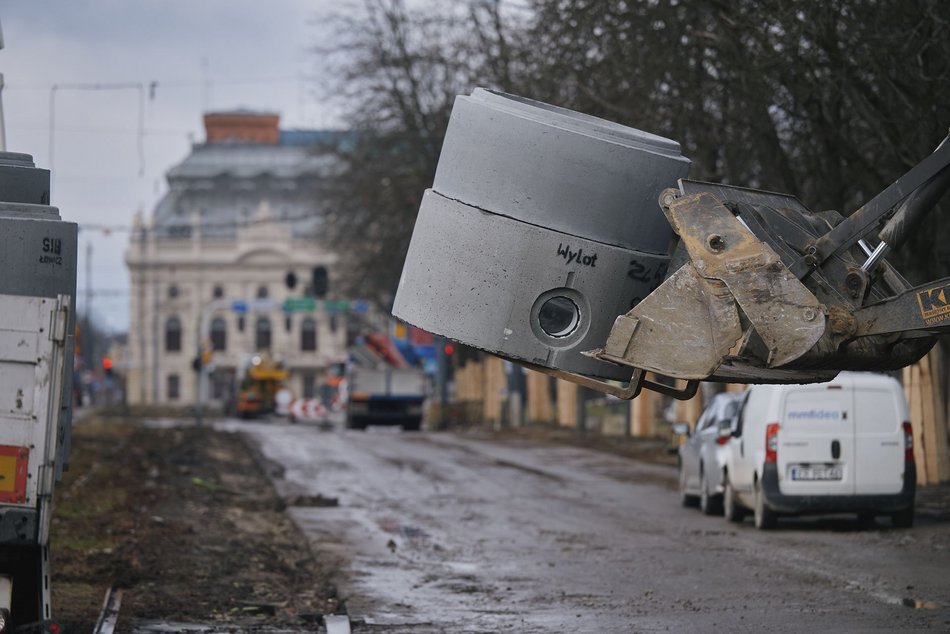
<point>542,226</point>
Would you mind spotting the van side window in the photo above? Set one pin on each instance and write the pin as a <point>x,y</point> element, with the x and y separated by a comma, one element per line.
<point>740,419</point>
<point>728,416</point>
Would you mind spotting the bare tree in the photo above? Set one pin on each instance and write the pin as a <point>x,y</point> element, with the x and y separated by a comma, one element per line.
<point>829,101</point>
<point>398,70</point>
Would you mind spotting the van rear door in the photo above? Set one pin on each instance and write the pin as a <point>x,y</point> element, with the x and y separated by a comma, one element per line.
<point>879,439</point>
<point>816,440</point>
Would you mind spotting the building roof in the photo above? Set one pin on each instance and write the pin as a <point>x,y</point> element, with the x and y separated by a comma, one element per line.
<point>244,160</point>
<point>225,184</point>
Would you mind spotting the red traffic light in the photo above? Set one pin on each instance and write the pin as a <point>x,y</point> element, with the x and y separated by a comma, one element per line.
<point>106,363</point>
<point>449,349</point>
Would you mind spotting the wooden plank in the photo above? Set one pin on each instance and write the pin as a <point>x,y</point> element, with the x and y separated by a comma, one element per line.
<point>643,414</point>
<point>494,385</point>
<point>566,404</point>
<point>938,431</point>
<point>539,399</point>
<point>934,450</point>
<point>469,384</point>
<point>912,392</point>
<point>461,383</point>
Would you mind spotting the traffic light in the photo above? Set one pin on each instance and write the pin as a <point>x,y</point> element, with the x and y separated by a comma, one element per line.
<point>319,282</point>
<point>107,365</point>
<point>203,357</point>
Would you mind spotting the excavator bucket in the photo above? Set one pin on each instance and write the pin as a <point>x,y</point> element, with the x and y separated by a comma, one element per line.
<point>689,326</point>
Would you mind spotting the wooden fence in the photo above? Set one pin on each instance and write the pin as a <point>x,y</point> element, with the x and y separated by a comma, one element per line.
<point>482,394</point>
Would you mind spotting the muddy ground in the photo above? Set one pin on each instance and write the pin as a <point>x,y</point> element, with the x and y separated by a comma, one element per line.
<point>186,522</point>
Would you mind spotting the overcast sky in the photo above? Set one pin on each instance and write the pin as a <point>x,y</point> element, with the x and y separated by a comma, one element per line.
<point>202,55</point>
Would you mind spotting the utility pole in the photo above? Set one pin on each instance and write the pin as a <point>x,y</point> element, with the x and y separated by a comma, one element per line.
<point>88,351</point>
<point>3,130</point>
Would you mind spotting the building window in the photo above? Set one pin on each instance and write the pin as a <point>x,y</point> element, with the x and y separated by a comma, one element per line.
<point>240,323</point>
<point>174,385</point>
<point>218,291</point>
<point>219,335</point>
<point>173,335</point>
<point>173,291</point>
<point>334,323</point>
<point>288,323</point>
<point>262,333</point>
<point>308,335</point>
<point>309,385</point>
<point>261,292</point>
<point>222,383</point>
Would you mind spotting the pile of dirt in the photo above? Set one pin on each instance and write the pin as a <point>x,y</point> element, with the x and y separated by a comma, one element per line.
<point>187,524</point>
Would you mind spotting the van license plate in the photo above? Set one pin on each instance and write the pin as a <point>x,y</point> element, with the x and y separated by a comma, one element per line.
<point>816,473</point>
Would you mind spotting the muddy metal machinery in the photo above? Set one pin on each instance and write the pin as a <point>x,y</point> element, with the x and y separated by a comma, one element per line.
<point>259,381</point>
<point>578,247</point>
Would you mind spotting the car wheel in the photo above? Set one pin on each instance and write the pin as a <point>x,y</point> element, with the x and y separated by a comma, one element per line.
<point>730,505</point>
<point>764,516</point>
<point>903,518</point>
<point>686,499</point>
<point>708,504</point>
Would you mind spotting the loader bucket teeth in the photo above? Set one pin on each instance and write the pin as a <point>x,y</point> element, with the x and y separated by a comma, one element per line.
<point>684,329</point>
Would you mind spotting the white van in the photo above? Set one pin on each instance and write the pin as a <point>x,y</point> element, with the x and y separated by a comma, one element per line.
<point>841,446</point>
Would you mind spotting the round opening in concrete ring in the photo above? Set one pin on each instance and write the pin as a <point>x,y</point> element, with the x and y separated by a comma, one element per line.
<point>559,317</point>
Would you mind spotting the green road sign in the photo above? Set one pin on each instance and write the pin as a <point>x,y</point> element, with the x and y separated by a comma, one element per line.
<point>299,305</point>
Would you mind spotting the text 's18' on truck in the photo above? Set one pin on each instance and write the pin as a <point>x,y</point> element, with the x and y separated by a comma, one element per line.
<point>386,396</point>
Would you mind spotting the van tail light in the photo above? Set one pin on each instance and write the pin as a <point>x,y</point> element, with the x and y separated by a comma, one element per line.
<point>771,443</point>
<point>908,442</point>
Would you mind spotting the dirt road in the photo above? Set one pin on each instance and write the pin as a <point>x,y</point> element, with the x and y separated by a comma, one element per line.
<point>447,533</point>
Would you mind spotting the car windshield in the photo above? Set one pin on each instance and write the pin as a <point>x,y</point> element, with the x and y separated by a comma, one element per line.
<point>729,413</point>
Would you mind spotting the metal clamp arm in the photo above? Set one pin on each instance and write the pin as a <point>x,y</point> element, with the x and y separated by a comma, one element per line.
<point>858,224</point>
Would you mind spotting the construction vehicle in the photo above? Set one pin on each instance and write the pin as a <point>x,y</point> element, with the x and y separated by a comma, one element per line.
<point>381,387</point>
<point>385,395</point>
<point>579,248</point>
<point>259,379</point>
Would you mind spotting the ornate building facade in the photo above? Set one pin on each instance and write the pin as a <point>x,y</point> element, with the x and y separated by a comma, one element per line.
<point>237,235</point>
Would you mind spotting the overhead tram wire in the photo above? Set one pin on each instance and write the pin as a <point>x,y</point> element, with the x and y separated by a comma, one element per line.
<point>96,87</point>
<point>231,224</point>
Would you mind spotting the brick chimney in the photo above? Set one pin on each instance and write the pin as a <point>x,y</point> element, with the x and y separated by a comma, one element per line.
<point>242,126</point>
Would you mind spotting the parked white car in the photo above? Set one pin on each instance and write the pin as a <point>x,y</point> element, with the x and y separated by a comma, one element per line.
<point>703,452</point>
<point>841,446</point>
